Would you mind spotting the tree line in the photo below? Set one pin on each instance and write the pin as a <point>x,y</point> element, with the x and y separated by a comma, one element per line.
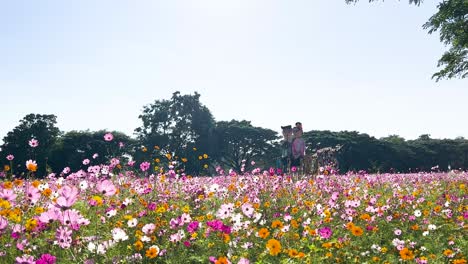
<point>182,129</point>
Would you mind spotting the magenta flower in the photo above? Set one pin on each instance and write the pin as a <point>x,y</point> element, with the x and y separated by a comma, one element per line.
<point>10,157</point>
<point>63,237</point>
<point>46,259</point>
<point>144,166</point>
<point>325,232</point>
<point>293,169</point>
<point>108,137</point>
<point>33,143</point>
<point>68,196</point>
<point>107,188</point>
<point>193,227</point>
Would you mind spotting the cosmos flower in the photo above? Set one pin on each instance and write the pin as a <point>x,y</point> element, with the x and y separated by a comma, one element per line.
<point>108,137</point>
<point>33,143</point>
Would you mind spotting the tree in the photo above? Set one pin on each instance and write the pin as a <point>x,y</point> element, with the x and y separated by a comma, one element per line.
<point>33,126</point>
<point>177,126</point>
<point>239,141</point>
<point>73,147</point>
<point>451,20</point>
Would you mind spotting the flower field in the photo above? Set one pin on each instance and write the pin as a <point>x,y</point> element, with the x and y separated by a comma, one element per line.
<point>120,214</point>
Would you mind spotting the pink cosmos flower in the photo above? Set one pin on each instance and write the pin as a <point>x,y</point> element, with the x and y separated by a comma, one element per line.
<point>106,187</point>
<point>3,223</point>
<point>144,166</point>
<point>10,157</point>
<point>248,209</point>
<point>243,261</point>
<point>33,194</point>
<point>148,228</point>
<point>95,155</point>
<point>68,196</point>
<point>85,161</point>
<point>293,169</point>
<point>108,137</point>
<point>25,259</point>
<point>33,143</point>
<point>8,194</point>
<point>63,237</point>
<point>50,216</point>
<point>66,170</point>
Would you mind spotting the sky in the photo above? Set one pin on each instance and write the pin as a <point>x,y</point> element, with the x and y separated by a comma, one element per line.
<point>94,64</point>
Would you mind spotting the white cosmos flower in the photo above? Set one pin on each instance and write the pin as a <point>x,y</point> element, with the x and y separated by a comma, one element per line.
<point>132,222</point>
<point>417,213</point>
<point>432,227</point>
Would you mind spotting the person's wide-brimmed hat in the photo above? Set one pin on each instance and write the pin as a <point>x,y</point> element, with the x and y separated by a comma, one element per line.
<point>286,127</point>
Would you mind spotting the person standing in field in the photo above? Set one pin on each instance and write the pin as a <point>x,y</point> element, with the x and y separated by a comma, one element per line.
<point>297,147</point>
<point>286,150</point>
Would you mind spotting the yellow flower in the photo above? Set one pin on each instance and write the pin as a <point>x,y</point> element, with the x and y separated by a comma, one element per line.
<point>263,233</point>
<point>205,166</point>
<point>157,160</point>
<point>156,147</point>
<point>97,199</point>
<point>138,245</point>
<point>274,247</point>
<point>144,149</point>
<point>459,261</point>
<point>184,160</point>
<point>194,149</point>
<point>6,168</point>
<point>31,224</point>
<point>200,157</point>
<point>39,210</point>
<point>168,156</point>
<point>205,156</point>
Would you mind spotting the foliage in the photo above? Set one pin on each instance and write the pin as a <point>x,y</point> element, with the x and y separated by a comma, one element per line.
<point>177,126</point>
<point>33,126</point>
<point>238,142</point>
<point>72,148</point>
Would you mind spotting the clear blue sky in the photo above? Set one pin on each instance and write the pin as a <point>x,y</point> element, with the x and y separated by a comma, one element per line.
<point>95,64</point>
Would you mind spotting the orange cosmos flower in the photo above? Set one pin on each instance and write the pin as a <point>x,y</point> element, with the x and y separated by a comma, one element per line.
<point>406,254</point>
<point>357,231</point>
<point>263,233</point>
<point>31,165</point>
<point>274,246</point>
